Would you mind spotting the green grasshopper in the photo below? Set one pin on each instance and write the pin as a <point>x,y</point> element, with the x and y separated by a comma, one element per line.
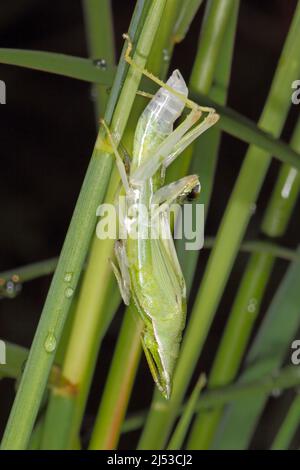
<point>148,269</point>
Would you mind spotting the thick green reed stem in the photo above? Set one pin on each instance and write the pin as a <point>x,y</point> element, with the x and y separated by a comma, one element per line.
<point>100,36</point>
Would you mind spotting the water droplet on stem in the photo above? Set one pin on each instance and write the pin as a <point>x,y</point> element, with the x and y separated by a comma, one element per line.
<point>166,55</point>
<point>69,292</point>
<point>10,288</point>
<point>100,64</point>
<point>252,305</point>
<point>68,277</point>
<point>50,342</point>
<point>276,392</point>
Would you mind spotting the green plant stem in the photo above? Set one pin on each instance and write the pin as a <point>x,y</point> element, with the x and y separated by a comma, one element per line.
<point>233,343</point>
<point>258,246</point>
<point>247,304</point>
<point>16,357</point>
<point>232,122</point>
<point>244,129</point>
<point>286,378</point>
<point>231,231</point>
<point>94,305</point>
<point>59,64</point>
<point>181,429</point>
<point>94,310</point>
<point>267,353</point>
<point>31,271</point>
<point>206,149</point>
<point>284,195</point>
<point>100,36</point>
<point>15,360</point>
<point>38,365</point>
<point>216,18</point>
<point>36,435</point>
<point>186,15</point>
<point>208,145</point>
<point>56,422</point>
<point>205,70</point>
<point>122,372</point>
<point>57,304</point>
<point>160,56</point>
<point>289,426</point>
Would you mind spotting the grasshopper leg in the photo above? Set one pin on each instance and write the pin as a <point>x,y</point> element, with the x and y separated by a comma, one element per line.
<point>177,191</point>
<point>179,139</point>
<point>174,145</point>
<point>119,161</point>
<point>190,136</point>
<point>189,103</point>
<point>122,274</point>
<point>147,169</point>
<point>155,365</point>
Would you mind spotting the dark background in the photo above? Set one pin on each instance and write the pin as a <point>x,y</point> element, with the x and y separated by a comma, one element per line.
<point>47,135</point>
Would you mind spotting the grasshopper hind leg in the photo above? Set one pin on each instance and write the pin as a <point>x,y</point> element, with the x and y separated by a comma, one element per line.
<point>178,191</point>
<point>188,103</point>
<point>155,364</point>
<point>119,162</point>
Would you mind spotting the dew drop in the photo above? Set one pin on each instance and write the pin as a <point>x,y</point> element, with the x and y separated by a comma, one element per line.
<point>276,392</point>
<point>100,64</point>
<point>166,55</point>
<point>10,288</point>
<point>68,277</point>
<point>252,305</point>
<point>253,208</point>
<point>69,292</point>
<point>50,343</point>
